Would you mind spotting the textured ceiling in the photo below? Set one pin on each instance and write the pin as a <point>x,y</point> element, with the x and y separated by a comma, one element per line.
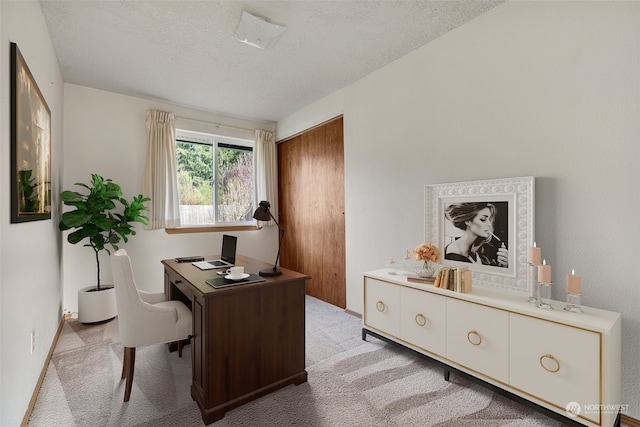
<point>183,52</point>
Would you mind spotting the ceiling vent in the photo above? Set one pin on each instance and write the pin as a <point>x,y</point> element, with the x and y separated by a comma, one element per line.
<point>257,32</point>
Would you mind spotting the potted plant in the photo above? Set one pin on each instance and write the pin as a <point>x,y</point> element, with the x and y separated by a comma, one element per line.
<point>99,221</point>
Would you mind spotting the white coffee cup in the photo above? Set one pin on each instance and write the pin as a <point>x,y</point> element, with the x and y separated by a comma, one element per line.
<point>235,272</point>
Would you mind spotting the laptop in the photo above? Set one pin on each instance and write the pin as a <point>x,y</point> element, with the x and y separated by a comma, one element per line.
<point>227,258</point>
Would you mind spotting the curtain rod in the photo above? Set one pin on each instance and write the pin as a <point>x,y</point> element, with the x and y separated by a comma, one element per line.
<point>218,125</point>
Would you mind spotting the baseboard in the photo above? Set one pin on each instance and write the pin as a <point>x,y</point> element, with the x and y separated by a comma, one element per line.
<point>34,397</point>
<point>629,421</point>
<point>353,313</point>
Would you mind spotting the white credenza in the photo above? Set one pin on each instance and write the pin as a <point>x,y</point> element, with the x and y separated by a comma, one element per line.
<point>552,358</point>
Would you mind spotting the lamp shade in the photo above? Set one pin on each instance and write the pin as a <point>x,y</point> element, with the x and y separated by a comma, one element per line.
<point>263,212</point>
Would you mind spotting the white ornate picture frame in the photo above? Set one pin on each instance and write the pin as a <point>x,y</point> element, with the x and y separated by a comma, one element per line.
<point>513,199</point>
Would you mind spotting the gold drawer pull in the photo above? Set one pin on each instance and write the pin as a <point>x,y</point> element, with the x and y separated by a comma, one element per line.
<point>380,306</point>
<point>549,356</point>
<point>478,341</point>
<point>421,320</point>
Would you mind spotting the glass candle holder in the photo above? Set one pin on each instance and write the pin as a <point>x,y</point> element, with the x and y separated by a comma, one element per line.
<point>407,265</point>
<point>391,265</point>
<point>534,297</point>
<point>545,296</point>
<point>573,303</point>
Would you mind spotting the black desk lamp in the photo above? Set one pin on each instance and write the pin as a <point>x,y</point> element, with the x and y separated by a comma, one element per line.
<point>263,213</point>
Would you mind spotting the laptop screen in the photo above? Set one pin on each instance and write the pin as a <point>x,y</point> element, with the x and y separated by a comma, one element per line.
<point>229,248</point>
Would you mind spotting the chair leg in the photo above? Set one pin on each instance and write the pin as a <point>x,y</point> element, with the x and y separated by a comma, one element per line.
<point>180,345</point>
<point>127,370</point>
<point>125,357</point>
<point>124,363</point>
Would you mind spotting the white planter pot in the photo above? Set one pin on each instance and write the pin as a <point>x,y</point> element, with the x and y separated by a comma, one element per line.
<point>96,306</point>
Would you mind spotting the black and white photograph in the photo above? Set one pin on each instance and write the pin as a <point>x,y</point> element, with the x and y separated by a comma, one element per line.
<point>477,232</point>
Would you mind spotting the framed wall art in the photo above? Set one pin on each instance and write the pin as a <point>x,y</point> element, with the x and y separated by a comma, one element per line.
<point>30,145</point>
<point>486,225</point>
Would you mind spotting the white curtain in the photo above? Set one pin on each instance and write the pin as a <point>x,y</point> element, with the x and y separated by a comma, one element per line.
<point>266,171</point>
<point>160,174</point>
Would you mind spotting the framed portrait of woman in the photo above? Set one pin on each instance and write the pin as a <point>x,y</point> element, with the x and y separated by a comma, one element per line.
<point>486,226</point>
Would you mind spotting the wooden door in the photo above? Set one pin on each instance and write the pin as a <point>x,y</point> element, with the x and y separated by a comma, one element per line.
<point>311,209</point>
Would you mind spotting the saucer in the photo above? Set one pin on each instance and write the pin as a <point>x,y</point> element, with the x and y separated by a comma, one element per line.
<point>244,276</point>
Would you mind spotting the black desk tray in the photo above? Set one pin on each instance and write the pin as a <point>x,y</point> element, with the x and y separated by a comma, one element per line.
<point>221,282</point>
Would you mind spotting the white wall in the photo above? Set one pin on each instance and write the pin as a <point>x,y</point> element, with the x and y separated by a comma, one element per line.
<point>548,89</point>
<point>105,133</point>
<point>30,284</point>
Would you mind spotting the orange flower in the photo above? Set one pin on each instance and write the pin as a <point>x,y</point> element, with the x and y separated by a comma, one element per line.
<point>426,252</point>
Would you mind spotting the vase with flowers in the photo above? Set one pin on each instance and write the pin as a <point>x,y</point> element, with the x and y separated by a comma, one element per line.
<point>427,253</point>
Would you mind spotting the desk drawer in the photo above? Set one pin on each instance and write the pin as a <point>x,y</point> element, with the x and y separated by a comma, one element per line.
<point>184,288</point>
<point>176,288</point>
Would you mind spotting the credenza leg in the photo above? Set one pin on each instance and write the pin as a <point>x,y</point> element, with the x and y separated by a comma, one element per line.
<point>364,334</point>
<point>446,374</point>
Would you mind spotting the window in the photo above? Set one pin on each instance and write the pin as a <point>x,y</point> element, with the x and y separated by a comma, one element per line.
<point>215,179</point>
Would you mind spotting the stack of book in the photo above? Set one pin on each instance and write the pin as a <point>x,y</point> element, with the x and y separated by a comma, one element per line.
<point>455,279</point>
<point>418,279</point>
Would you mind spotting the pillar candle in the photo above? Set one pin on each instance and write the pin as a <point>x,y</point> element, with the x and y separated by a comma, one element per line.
<point>573,283</point>
<point>535,254</point>
<point>544,272</point>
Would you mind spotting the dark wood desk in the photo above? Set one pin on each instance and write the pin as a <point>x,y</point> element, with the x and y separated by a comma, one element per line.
<point>248,340</point>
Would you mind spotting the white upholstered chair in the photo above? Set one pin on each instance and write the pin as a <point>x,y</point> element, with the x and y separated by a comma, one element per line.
<point>144,318</point>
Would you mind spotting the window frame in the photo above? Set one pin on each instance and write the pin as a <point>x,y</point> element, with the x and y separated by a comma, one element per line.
<point>216,141</point>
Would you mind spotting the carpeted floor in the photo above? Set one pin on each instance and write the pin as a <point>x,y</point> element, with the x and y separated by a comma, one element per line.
<point>351,383</point>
